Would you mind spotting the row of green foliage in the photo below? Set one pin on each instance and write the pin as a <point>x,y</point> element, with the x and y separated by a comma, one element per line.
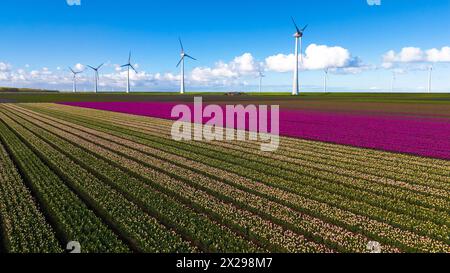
<point>143,232</point>
<point>71,218</point>
<point>23,226</point>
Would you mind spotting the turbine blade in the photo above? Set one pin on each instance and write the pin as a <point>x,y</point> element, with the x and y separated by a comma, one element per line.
<point>98,67</point>
<point>125,65</point>
<point>304,28</point>
<point>93,68</point>
<point>71,70</point>
<point>191,57</point>
<point>129,58</point>
<point>133,68</point>
<point>296,27</point>
<point>180,61</point>
<point>181,44</point>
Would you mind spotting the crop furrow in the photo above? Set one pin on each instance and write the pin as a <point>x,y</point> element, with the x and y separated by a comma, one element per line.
<point>24,228</point>
<point>72,220</point>
<point>142,231</point>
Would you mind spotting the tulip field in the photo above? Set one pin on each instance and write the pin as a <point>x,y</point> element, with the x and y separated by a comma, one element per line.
<point>115,181</point>
<point>413,135</point>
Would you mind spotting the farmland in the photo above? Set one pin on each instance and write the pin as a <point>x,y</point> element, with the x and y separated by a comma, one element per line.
<point>117,182</point>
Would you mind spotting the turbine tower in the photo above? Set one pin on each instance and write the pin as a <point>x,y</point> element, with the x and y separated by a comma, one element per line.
<point>129,65</point>
<point>298,38</point>
<point>394,77</point>
<point>430,79</point>
<point>261,76</point>
<point>183,55</point>
<point>325,81</point>
<point>96,75</point>
<point>75,73</point>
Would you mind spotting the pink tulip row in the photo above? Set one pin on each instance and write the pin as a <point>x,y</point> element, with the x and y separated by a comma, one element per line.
<point>425,137</point>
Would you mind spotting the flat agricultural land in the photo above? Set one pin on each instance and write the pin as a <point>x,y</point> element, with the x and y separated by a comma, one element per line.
<point>117,182</point>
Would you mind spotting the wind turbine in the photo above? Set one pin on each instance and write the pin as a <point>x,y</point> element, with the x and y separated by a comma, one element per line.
<point>429,78</point>
<point>261,76</point>
<point>325,81</point>
<point>75,73</point>
<point>298,38</point>
<point>96,75</point>
<point>183,55</point>
<point>128,65</point>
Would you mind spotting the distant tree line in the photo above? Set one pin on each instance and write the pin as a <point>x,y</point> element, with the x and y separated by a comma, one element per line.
<point>31,90</point>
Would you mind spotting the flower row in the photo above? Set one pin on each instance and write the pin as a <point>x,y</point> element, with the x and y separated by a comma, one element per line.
<point>24,227</point>
<point>129,220</point>
<point>71,217</point>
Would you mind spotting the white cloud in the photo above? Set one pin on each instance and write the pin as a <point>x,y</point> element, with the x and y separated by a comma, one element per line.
<point>4,76</point>
<point>406,55</point>
<point>34,77</point>
<point>409,55</point>
<point>119,78</point>
<point>315,57</point>
<point>220,71</point>
<point>281,63</point>
<point>241,70</point>
<point>245,64</point>
<point>62,79</point>
<point>227,73</point>
<point>439,55</point>
<point>73,2</point>
<point>167,77</point>
<point>321,57</point>
<point>354,67</point>
<point>4,67</point>
<point>79,67</point>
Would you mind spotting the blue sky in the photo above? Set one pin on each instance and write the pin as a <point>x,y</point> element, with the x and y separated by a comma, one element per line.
<point>52,34</point>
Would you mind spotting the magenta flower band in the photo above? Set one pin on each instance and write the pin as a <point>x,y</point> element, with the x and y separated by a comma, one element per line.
<point>410,135</point>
